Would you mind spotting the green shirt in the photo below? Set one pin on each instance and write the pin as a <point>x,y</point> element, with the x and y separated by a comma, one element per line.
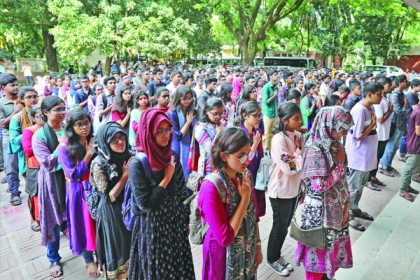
<point>269,109</point>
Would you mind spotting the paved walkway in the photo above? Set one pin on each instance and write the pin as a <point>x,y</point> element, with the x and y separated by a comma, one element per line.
<point>22,256</point>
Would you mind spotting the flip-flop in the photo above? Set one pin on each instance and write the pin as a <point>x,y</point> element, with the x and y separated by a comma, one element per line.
<point>58,272</point>
<point>35,228</point>
<point>407,195</point>
<point>362,215</point>
<point>356,225</point>
<point>15,202</point>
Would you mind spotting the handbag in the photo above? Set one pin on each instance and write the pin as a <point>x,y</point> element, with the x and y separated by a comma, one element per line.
<point>263,174</point>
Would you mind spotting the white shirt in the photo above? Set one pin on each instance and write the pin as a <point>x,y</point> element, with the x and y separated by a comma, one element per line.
<point>383,129</point>
<point>284,181</point>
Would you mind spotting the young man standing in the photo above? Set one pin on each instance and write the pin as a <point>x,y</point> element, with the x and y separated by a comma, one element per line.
<point>144,82</point>
<point>176,79</point>
<point>270,105</point>
<point>82,95</point>
<point>412,165</point>
<point>162,97</point>
<point>383,113</point>
<point>153,86</point>
<point>412,100</point>
<point>284,90</point>
<point>355,92</point>
<point>105,100</point>
<point>324,91</point>
<point>208,93</point>
<point>362,144</point>
<point>8,108</point>
<point>398,126</point>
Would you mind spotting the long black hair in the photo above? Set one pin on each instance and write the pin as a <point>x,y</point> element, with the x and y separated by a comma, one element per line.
<point>247,109</point>
<point>137,97</point>
<point>76,150</point>
<point>225,90</point>
<point>180,94</point>
<point>211,103</point>
<point>286,111</point>
<point>119,105</point>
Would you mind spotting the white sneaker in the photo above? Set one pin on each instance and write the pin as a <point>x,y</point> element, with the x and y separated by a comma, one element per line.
<point>285,264</point>
<point>278,268</point>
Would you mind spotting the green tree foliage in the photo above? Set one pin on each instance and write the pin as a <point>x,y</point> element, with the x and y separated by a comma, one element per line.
<point>25,25</point>
<point>128,27</point>
<point>250,20</point>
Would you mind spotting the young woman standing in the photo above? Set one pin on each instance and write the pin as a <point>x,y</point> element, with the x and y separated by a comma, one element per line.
<point>284,183</point>
<point>32,167</point>
<point>232,245</point>
<point>74,155</point>
<point>51,182</point>
<point>109,174</point>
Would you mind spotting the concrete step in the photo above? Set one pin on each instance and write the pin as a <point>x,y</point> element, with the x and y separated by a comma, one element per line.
<point>414,273</point>
<point>367,247</point>
<point>396,258</point>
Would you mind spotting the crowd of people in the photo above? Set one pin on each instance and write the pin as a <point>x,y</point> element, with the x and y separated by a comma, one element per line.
<point>82,143</point>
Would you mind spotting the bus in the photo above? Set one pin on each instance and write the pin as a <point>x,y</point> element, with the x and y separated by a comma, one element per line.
<point>292,63</point>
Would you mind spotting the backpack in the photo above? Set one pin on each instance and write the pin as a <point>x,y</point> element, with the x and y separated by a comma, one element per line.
<point>197,228</point>
<point>128,215</point>
<point>105,102</point>
<point>263,174</point>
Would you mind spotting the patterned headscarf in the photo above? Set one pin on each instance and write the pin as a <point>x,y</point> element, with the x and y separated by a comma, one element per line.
<point>328,122</point>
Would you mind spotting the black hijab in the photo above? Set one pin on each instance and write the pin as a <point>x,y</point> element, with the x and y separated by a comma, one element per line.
<point>103,140</point>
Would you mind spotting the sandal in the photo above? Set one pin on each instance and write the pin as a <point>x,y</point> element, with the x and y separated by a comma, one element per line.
<point>407,195</point>
<point>58,272</point>
<point>15,200</point>
<point>356,225</point>
<point>372,186</point>
<point>377,182</point>
<point>35,227</point>
<point>386,172</point>
<point>411,190</point>
<point>92,269</point>
<point>362,215</point>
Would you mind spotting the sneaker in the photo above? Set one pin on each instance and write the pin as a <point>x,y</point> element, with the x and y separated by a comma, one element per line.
<point>373,187</point>
<point>386,172</point>
<point>278,268</point>
<point>393,170</point>
<point>284,263</point>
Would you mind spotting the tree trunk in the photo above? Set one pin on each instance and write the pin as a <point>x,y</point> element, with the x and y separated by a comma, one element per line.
<point>108,65</point>
<point>50,52</point>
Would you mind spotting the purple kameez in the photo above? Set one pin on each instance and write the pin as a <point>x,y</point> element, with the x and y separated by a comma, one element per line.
<point>50,215</point>
<point>81,227</point>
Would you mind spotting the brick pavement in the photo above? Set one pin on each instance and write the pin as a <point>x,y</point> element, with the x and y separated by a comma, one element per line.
<point>22,256</point>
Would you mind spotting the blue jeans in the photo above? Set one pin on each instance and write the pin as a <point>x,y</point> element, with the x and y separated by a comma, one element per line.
<point>87,256</point>
<point>391,148</point>
<point>52,247</point>
<point>12,171</point>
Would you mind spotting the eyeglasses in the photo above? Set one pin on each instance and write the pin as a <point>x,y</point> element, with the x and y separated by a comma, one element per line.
<point>32,97</point>
<point>122,138</point>
<point>59,111</point>
<point>242,159</point>
<point>80,125</point>
<point>256,116</point>
<point>163,132</point>
<point>216,114</point>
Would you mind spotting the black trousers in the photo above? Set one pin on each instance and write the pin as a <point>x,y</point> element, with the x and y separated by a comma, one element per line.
<point>381,151</point>
<point>283,210</point>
